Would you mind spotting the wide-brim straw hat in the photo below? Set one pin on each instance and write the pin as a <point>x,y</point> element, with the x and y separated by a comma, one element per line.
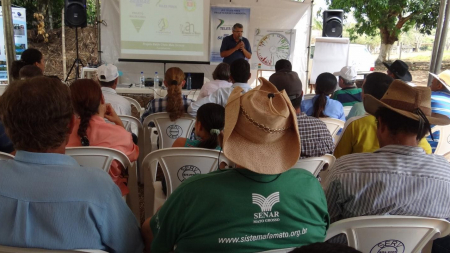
<point>261,132</point>
<point>405,100</point>
<point>400,69</point>
<point>444,78</point>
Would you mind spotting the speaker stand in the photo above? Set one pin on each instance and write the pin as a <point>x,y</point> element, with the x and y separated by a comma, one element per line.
<point>77,62</point>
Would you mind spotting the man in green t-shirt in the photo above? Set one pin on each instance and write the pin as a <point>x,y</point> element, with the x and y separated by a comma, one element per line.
<point>259,205</point>
<point>349,94</point>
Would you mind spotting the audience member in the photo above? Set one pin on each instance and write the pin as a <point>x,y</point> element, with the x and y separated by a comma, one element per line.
<point>221,76</point>
<point>314,135</point>
<point>375,84</point>
<point>399,178</point>
<point>6,145</point>
<point>47,200</point>
<point>323,247</point>
<point>440,101</point>
<point>360,133</point>
<point>240,74</point>
<point>31,56</point>
<point>235,46</point>
<point>210,122</point>
<point>175,103</point>
<point>108,76</point>
<point>321,105</point>
<point>349,94</point>
<point>91,129</point>
<point>399,70</point>
<point>30,71</point>
<point>267,200</point>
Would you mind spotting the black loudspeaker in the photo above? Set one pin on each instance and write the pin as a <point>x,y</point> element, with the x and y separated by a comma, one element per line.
<point>332,23</point>
<point>75,13</point>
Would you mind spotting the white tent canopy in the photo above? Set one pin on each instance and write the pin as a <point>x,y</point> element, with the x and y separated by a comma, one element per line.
<point>264,14</point>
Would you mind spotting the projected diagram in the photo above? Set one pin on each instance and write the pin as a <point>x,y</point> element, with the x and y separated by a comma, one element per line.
<point>271,46</point>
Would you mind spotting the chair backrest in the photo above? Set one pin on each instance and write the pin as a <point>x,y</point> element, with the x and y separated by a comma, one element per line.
<point>447,156</point>
<point>333,125</point>
<point>443,146</point>
<point>315,164</point>
<point>134,125</point>
<point>206,80</point>
<point>7,249</point>
<point>168,131</point>
<point>98,157</point>
<point>178,164</point>
<point>347,110</point>
<point>5,156</point>
<point>389,233</point>
<point>136,104</point>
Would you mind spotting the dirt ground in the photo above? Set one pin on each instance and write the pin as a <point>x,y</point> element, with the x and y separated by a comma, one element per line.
<point>418,70</point>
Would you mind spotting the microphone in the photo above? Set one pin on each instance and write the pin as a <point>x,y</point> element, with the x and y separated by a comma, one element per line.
<point>240,40</point>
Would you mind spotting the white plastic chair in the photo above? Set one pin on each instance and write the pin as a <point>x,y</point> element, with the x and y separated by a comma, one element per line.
<point>443,146</point>
<point>101,157</point>
<point>5,156</point>
<point>347,110</point>
<point>315,164</point>
<point>308,96</point>
<point>168,131</point>
<point>447,156</point>
<point>177,164</point>
<point>333,125</point>
<point>394,233</point>
<point>136,104</point>
<point>206,80</point>
<point>134,125</point>
<point>278,250</point>
<point>7,249</point>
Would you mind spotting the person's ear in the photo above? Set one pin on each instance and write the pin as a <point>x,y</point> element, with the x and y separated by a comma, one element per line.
<point>440,86</point>
<point>249,76</point>
<point>198,126</point>
<point>71,125</point>
<point>102,100</point>
<point>183,83</point>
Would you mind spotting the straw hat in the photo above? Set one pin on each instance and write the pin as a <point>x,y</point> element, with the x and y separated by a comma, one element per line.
<point>444,78</point>
<point>261,132</point>
<point>405,100</point>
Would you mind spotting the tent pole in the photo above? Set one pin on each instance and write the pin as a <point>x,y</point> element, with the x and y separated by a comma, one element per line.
<point>440,52</point>
<point>99,32</point>
<point>309,46</point>
<point>9,37</point>
<point>437,39</point>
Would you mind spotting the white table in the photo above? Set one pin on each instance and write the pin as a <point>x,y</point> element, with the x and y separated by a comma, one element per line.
<point>157,93</point>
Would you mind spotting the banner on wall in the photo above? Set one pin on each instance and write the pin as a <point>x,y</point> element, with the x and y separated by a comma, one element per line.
<point>222,21</point>
<point>20,38</point>
<point>270,46</point>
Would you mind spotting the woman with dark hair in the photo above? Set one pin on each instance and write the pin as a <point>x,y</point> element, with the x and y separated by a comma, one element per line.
<point>321,105</point>
<point>221,76</point>
<point>91,129</point>
<point>209,124</point>
<point>31,56</point>
<point>175,103</point>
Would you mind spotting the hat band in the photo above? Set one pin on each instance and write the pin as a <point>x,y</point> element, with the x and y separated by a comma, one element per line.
<point>405,106</point>
<point>261,126</point>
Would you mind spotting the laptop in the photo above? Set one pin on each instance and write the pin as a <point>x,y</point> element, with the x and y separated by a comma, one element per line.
<point>197,80</point>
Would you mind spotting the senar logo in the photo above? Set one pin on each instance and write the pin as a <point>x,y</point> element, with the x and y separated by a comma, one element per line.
<point>266,205</point>
<point>187,171</point>
<point>174,131</point>
<point>389,246</point>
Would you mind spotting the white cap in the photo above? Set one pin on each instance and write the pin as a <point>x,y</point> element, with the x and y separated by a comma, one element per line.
<point>109,72</point>
<point>347,72</point>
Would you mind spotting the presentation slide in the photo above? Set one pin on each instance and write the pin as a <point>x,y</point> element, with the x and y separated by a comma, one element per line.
<point>165,30</point>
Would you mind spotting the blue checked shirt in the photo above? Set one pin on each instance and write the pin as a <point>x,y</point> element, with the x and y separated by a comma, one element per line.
<point>160,105</point>
<point>440,103</point>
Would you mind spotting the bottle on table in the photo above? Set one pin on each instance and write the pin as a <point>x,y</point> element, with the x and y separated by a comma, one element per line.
<point>189,82</point>
<point>142,80</point>
<point>156,80</point>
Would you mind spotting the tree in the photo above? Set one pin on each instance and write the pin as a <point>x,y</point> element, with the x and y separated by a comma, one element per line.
<point>389,18</point>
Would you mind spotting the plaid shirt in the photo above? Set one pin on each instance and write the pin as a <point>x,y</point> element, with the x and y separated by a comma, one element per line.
<point>160,104</point>
<point>315,138</point>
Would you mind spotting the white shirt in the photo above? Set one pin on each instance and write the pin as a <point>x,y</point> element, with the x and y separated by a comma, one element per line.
<point>210,87</point>
<point>220,97</point>
<point>120,104</point>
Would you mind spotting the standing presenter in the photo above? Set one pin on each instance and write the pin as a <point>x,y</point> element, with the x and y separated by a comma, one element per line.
<point>235,46</point>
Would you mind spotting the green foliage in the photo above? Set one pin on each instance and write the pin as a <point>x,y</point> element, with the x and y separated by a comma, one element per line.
<point>389,17</point>
<point>53,7</point>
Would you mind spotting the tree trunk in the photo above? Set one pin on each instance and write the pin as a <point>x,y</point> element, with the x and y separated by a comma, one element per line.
<point>50,17</point>
<point>384,50</point>
<point>387,40</point>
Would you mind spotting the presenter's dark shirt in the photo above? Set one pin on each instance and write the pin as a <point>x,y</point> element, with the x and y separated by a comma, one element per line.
<point>5,143</point>
<point>229,43</point>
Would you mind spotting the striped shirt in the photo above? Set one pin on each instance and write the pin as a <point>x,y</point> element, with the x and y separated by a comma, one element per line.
<point>315,138</point>
<point>160,105</point>
<point>395,180</point>
<point>348,96</point>
<point>440,103</point>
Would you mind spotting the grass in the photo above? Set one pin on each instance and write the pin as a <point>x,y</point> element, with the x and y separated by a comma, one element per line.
<point>422,56</point>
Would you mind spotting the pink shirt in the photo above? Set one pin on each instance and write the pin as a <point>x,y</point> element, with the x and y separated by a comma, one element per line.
<point>210,87</point>
<point>108,135</point>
